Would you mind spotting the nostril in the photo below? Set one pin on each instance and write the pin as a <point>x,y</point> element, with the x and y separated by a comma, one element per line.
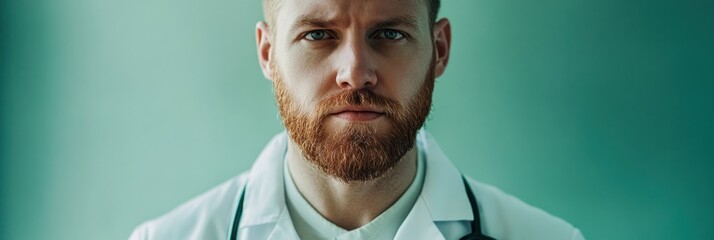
<point>345,84</point>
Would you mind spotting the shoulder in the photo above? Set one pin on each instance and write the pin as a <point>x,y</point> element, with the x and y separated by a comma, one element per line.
<point>206,216</point>
<point>507,217</point>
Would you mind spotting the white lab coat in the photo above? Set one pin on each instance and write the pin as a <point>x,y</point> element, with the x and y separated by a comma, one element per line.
<point>442,210</point>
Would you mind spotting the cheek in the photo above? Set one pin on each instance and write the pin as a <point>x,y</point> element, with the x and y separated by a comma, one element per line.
<point>402,78</point>
<point>304,78</point>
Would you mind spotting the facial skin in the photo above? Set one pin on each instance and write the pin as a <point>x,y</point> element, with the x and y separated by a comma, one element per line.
<point>358,150</point>
<point>353,79</point>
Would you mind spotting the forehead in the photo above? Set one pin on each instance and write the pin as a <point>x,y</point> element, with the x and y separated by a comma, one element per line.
<point>348,12</point>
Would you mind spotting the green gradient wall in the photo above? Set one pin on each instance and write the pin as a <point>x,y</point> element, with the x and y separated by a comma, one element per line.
<point>600,112</point>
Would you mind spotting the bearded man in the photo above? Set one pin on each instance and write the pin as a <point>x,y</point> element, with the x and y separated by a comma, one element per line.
<point>353,81</point>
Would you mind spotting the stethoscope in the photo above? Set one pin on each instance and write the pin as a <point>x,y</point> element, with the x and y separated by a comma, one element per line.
<point>475,234</point>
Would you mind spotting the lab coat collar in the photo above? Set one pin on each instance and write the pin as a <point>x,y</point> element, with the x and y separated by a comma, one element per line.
<point>443,192</point>
<point>265,193</point>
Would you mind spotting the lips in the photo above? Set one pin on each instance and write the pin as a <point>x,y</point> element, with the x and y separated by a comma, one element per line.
<point>358,114</point>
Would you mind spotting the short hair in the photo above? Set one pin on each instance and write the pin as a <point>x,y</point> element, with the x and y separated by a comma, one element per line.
<point>271,6</point>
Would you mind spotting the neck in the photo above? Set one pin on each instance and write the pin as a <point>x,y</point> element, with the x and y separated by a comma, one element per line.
<point>350,205</point>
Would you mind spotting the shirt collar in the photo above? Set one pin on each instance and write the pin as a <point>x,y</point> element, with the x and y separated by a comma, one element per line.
<point>266,196</point>
<point>311,225</point>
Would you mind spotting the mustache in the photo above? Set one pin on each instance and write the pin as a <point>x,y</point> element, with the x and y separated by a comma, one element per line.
<point>358,97</point>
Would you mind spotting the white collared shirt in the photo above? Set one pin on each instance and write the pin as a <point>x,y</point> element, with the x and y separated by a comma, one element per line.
<point>309,224</point>
<point>442,210</point>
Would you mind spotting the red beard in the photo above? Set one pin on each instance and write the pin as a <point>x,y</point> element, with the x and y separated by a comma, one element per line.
<point>356,152</point>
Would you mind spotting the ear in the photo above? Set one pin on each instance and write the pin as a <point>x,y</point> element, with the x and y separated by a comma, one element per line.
<point>442,45</point>
<point>262,37</point>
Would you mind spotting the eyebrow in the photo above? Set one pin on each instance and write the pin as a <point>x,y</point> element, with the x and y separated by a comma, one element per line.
<point>407,21</point>
<point>312,20</point>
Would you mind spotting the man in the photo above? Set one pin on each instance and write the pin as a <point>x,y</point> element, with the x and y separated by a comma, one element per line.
<point>353,80</point>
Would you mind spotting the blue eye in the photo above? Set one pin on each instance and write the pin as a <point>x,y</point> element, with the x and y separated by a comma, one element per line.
<point>390,34</point>
<point>317,35</point>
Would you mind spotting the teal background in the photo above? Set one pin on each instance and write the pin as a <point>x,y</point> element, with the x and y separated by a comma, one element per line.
<point>114,112</point>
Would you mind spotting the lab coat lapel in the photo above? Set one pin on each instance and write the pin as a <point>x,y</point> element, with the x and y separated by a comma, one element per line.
<point>265,195</point>
<point>442,198</point>
<point>418,224</point>
<point>443,191</point>
<point>266,215</point>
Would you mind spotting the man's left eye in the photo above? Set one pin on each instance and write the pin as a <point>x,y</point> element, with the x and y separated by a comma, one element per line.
<point>390,34</point>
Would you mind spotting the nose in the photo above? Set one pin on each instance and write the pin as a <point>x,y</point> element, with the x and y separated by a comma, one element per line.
<point>356,68</point>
